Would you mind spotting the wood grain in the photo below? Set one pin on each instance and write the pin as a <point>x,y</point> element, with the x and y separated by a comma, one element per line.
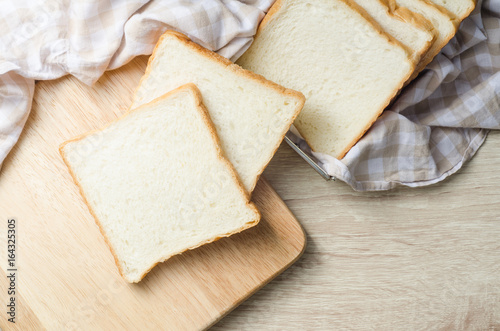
<point>407,259</point>
<point>67,279</point>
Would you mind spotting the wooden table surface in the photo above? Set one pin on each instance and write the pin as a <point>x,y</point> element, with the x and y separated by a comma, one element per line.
<point>406,259</point>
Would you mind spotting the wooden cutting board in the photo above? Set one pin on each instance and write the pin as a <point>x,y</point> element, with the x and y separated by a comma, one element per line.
<point>67,278</point>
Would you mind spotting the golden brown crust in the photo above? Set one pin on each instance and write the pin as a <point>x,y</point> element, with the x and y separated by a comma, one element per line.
<point>235,69</point>
<point>270,14</point>
<point>429,56</point>
<point>85,200</point>
<point>163,259</point>
<point>213,133</point>
<point>417,20</point>
<point>471,9</point>
<point>381,32</point>
<point>409,16</point>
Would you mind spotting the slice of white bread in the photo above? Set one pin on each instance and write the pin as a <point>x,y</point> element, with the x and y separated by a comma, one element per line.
<point>411,29</point>
<point>443,23</point>
<point>250,113</point>
<point>348,68</point>
<point>157,183</point>
<point>460,9</point>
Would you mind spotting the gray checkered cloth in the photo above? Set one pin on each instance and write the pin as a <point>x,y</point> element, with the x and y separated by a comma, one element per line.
<point>436,124</point>
<point>439,121</point>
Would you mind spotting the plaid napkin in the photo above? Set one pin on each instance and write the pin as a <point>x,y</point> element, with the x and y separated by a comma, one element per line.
<point>47,39</point>
<point>438,122</point>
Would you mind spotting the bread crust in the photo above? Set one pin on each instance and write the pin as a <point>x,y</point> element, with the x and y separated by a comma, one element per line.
<point>417,20</point>
<point>409,16</point>
<point>270,15</point>
<point>235,69</point>
<point>469,11</point>
<point>433,52</point>
<point>220,155</point>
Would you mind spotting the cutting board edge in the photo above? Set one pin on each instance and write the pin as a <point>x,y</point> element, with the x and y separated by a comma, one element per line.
<point>267,281</point>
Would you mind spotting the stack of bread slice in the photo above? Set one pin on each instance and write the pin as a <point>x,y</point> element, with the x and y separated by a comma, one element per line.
<point>176,172</point>
<point>350,58</point>
<point>178,169</point>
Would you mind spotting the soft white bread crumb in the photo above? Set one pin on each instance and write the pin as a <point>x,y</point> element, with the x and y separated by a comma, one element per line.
<point>157,183</point>
<point>346,66</point>
<point>251,114</point>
